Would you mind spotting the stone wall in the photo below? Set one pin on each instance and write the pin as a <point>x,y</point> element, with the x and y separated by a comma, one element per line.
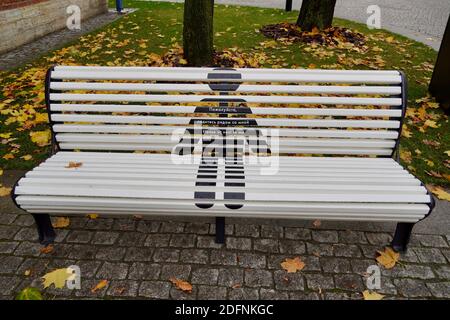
<point>22,21</point>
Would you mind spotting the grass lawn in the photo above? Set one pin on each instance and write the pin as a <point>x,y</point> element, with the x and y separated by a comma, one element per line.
<point>139,39</point>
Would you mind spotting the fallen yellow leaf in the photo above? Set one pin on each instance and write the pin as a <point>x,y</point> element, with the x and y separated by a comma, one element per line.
<point>74,164</point>
<point>181,285</point>
<point>293,265</point>
<point>27,157</point>
<point>57,277</point>
<point>372,295</point>
<point>47,249</point>
<point>92,216</point>
<point>61,222</point>
<point>99,286</point>
<point>439,192</point>
<point>4,191</point>
<point>388,258</point>
<point>41,138</point>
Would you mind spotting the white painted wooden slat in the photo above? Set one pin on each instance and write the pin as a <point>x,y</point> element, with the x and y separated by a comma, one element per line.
<point>319,133</point>
<point>254,110</point>
<point>244,98</point>
<point>244,88</point>
<point>220,121</point>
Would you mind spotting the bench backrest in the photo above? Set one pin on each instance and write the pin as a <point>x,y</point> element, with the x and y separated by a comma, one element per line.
<point>326,112</point>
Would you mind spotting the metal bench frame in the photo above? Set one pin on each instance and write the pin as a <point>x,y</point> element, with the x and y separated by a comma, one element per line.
<point>43,222</point>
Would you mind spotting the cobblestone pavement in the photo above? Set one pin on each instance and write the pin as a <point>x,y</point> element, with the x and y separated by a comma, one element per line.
<point>27,52</point>
<point>138,257</point>
<point>421,20</point>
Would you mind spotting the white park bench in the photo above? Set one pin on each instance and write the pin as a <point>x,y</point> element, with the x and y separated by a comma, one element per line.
<point>329,136</point>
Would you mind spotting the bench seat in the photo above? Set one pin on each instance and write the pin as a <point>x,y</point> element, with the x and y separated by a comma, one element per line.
<point>357,189</point>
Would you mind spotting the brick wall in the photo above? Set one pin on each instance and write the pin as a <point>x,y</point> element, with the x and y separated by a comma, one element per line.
<point>22,21</point>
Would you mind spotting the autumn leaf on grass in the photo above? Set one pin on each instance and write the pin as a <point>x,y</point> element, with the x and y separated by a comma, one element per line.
<point>99,286</point>
<point>61,222</point>
<point>47,249</point>
<point>29,293</point>
<point>92,216</point>
<point>4,191</point>
<point>368,295</point>
<point>293,265</point>
<point>439,192</point>
<point>181,285</point>
<point>74,164</point>
<point>41,138</point>
<point>57,277</point>
<point>388,258</point>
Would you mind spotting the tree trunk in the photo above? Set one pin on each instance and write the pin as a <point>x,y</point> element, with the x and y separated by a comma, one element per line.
<point>316,13</point>
<point>198,32</point>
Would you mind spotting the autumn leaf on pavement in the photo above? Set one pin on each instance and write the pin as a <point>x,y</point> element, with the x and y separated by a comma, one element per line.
<point>92,216</point>
<point>4,191</point>
<point>388,258</point>
<point>61,222</point>
<point>57,277</point>
<point>368,295</point>
<point>99,286</point>
<point>317,223</point>
<point>181,285</point>
<point>74,164</point>
<point>439,192</point>
<point>47,249</point>
<point>293,265</point>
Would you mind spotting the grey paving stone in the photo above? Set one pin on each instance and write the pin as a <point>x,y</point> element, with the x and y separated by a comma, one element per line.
<point>387,286</point>
<point>183,240</point>
<point>271,294</point>
<point>350,282</point>
<point>208,242</point>
<point>131,239</point>
<point>291,246</point>
<point>99,224</point>
<point>7,218</point>
<point>317,281</point>
<point>87,287</point>
<point>35,266</point>
<point>243,294</point>
<point>26,234</point>
<point>288,281</point>
<point>166,255</point>
<point>246,230</point>
<point>258,278</point>
<point>9,264</point>
<point>123,288</point>
<point>82,251</point>
<point>269,231</point>
<point>155,289</point>
<point>8,232</point>
<point>172,226</point>
<point>324,236</point>
<point>229,229</point>
<point>319,249</point>
<point>212,293</point>
<point>229,277</point>
<point>412,288</point>
<point>88,269</point>
<point>360,266</point>
<point>196,256</point>
<point>60,250</point>
<point>105,237</point>
<point>336,296</point>
<point>157,240</point>
<point>299,295</point>
<point>75,222</point>
<point>297,233</point>
<point>60,263</point>
<point>144,271</point>
<point>335,265</point>
<point>178,294</point>
<point>148,226</point>
<point>110,253</point>
<point>28,249</point>
<point>446,253</point>
<point>24,220</point>
<point>197,228</point>
<point>79,236</point>
<point>428,240</point>
<point>439,289</point>
<point>175,271</point>
<point>352,237</point>
<point>429,255</point>
<point>265,245</point>
<point>139,254</point>
<point>443,272</point>
<point>8,246</point>
<point>238,243</point>
<point>61,235</point>
<point>125,224</point>
<point>370,251</point>
<point>410,271</point>
<point>224,258</point>
<point>409,256</point>
<point>205,276</point>
<point>346,250</point>
<point>113,270</point>
<point>251,260</point>
<point>381,239</point>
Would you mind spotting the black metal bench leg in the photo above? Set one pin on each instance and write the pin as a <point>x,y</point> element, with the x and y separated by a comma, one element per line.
<point>46,232</point>
<point>220,230</point>
<point>401,236</point>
